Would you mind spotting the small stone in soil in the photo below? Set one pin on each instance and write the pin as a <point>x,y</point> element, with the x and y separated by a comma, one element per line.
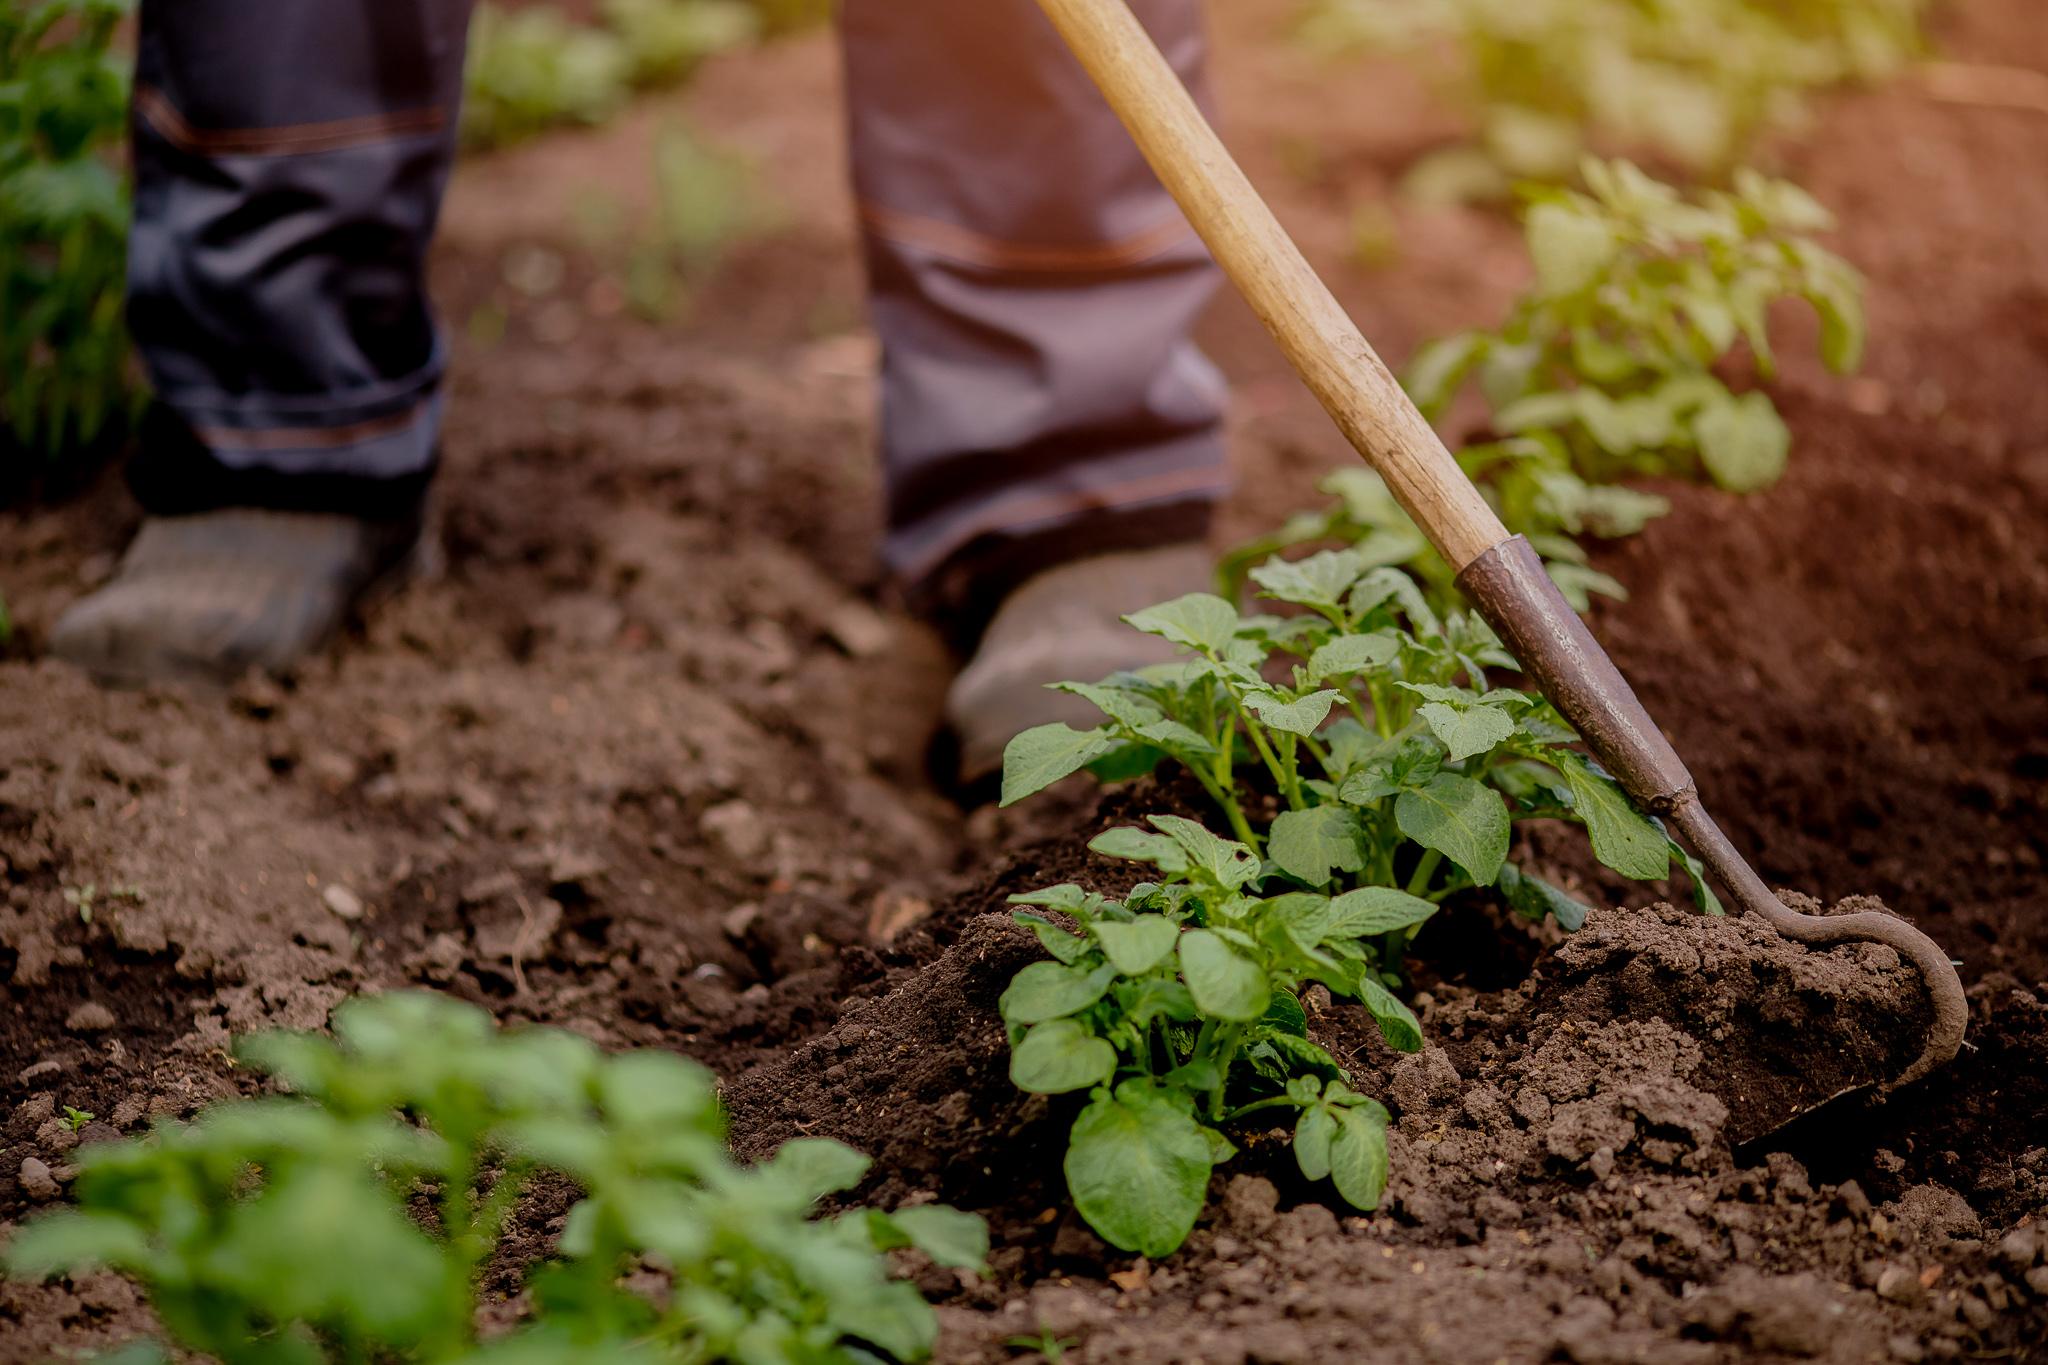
<point>858,629</point>
<point>91,1017</point>
<point>36,1180</point>
<point>738,827</point>
<point>1899,1285</point>
<point>342,901</point>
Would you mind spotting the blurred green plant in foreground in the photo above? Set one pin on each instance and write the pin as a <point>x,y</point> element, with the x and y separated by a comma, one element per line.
<point>1689,81</point>
<point>65,380</point>
<point>352,1220</point>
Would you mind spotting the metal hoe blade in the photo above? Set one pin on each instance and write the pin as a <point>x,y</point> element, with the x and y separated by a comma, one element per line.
<point>1509,587</point>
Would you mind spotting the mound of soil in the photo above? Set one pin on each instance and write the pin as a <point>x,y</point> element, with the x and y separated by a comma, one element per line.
<point>1565,1154</point>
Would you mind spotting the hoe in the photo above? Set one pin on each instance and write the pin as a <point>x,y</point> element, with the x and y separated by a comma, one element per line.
<point>1498,572</point>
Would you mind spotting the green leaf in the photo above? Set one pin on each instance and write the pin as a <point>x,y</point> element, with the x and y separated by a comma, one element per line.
<point>1125,762</point>
<point>1051,990</point>
<point>1358,1156</point>
<point>1140,846</point>
<point>1300,1055</point>
<point>1154,998</point>
<point>1349,655</point>
<point>1176,739</point>
<point>1200,620</point>
<point>1534,898</point>
<point>1228,863</point>
<point>1314,1132</point>
<point>1060,1055</point>
<point>1124,707</point>
<point>1042,755</point>
<point>1435,373</point>
<point>1138,946</point>
<point>1702,892</point>
<point>1397,1022</point>
<point>816,1167</point>
<point>76,1242</point>
<point>1138,1167</point>
<point>656,1089</point>
<point>1319,581</point>
<point>1075,900</point>
<point>1466,731</point>
<point>1298,717</point>
<point>1224,983</point>
<point>892,1315</point>
<point>947,1235</point>
<point>1571,248</point>
<point>1315,844</point>
<point>1743,442</point>
<point>1286,1015</point>
<point>1623,838</point>
<point>1373,910</point>
<point>1055,940</point>
<point>1391,769</point>
<point>1459,818</point>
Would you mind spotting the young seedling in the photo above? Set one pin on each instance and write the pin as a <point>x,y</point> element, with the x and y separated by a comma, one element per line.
<point>1178,1009</point>
<point>78,1118</point>
<point>1398,772</point>
<point>349,1221</point>
<point>534,67</point>
<point>1607,369</point>
<point>1692,82</point>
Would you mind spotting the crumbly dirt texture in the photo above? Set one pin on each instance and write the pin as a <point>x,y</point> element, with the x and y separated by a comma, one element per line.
<point>647,759</point>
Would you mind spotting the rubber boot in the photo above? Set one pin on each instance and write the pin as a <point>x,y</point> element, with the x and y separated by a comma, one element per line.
<point>1063,625</point>
<point>204,598</point>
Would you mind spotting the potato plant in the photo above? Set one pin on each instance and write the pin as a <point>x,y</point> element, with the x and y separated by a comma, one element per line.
<point>535,68</point>
<point>1609,367</point>
<point>1394,772</point>
<point>1690,81</point>
<point>350,1221</point>
<point>1605,368</point>
<point>65,378</point>
<point>1178,1008</point>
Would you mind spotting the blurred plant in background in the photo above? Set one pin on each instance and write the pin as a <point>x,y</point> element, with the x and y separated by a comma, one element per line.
<point>65,381</point>
<point>706,198</point>
<point>1689,81</point>
<point>1605,369</point>
<point>536,68</point>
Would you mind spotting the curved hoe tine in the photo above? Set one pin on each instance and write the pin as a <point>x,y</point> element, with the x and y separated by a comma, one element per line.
<point>1944,986</point>
<point>1511,589</point>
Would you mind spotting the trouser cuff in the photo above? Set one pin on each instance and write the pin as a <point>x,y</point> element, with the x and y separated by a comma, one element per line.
<point>176,472</point>
<point>1040,529</point>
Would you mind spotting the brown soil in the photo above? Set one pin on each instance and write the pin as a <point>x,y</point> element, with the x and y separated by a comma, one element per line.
<point>647,759</point>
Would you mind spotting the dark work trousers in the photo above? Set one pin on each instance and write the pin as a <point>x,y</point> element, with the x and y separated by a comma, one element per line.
<point>1032,285</point>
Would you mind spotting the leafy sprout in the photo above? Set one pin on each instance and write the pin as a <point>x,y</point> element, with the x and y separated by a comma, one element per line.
<point>1689,81</point>
<point>290,1229</point>
<point>1610,368</point>
<point>1395,771</point>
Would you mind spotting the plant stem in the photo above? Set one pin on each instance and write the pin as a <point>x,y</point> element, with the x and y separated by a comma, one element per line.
<point>1424,870</point>
<point>1270,1102</point>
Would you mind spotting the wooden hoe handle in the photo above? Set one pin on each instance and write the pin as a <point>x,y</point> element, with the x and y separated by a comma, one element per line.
<point>1354,386</point>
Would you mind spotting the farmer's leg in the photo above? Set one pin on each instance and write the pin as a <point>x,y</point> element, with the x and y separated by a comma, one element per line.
<point>289,162</point>
<point>1034,288</point>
